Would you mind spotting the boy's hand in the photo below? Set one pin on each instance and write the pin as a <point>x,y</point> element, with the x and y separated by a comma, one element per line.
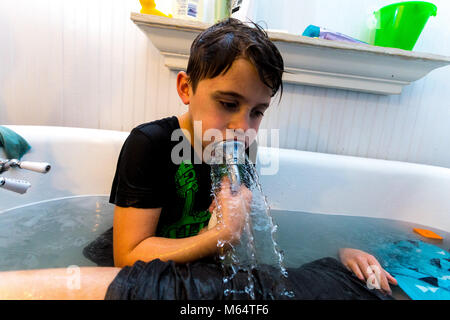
<point>234,208</point>
<point>363,266</point>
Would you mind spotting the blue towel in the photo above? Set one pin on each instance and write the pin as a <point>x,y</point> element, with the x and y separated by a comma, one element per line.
<point>422,270</point>
<point>14,145</point>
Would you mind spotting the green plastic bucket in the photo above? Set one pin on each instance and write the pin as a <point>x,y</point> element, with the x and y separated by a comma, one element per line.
<point>399,24</point>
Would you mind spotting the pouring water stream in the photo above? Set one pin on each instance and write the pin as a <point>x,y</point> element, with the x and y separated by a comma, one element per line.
<point>257,243</point>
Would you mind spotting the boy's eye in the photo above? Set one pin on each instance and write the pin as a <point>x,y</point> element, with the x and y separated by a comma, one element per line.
<point>229,105</point>
<point>258,114</point>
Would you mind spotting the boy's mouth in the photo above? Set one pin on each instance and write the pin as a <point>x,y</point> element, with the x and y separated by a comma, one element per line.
<point>245,141</point>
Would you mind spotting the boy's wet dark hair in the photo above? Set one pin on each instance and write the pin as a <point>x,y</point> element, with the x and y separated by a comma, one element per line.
<point>215,49</point>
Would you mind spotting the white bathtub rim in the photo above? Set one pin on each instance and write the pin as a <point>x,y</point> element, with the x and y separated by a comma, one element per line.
<point>289,153</point>
<point>312,167</point>
<point>52,200</point>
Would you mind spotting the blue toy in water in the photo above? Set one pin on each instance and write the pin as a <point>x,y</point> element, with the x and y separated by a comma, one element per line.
<point>422,270</point>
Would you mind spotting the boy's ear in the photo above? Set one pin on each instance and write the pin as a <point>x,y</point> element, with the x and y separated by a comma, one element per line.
<point>183,87</point>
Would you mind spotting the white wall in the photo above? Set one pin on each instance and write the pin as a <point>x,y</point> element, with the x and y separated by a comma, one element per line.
<point>84,63</point>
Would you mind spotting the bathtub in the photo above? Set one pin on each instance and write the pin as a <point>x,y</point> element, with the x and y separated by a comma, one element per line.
<point>84,161</point>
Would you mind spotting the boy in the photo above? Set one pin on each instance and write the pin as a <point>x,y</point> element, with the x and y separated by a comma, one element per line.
<point>162,208</point>
<point>233,72</point>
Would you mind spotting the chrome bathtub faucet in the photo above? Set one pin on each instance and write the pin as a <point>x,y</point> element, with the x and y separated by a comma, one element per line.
<point>20,186</point>
<point>41,167</point>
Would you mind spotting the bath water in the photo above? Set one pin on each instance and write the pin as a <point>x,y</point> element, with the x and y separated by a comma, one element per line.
<point>53,234</point>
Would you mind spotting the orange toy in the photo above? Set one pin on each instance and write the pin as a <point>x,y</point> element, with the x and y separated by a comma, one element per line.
<point>427,233</point>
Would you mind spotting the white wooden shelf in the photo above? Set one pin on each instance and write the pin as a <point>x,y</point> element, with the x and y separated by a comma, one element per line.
<point>308,61</point>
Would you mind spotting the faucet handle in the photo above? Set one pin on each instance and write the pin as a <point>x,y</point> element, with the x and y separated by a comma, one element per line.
<point>19,186</point>
<point>42,167</point>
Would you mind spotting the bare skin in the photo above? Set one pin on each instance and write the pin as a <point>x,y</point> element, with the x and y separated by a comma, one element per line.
<point>86,283</point>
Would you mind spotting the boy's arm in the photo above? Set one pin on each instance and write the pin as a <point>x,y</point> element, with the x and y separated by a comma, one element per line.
<point>134,232</point>
<point>134,239</point>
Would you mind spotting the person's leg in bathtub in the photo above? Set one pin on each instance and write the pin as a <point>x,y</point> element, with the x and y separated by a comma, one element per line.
<point>321,279</point>
<point>85,283</point>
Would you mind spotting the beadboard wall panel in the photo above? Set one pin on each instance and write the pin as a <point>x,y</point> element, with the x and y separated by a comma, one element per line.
<point>83,63</point>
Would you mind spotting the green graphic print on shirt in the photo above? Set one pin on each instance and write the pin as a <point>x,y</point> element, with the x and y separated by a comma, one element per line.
<point>190,222</point>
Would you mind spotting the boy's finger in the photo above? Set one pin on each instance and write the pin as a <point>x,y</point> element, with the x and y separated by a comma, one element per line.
<point>352,266</point>
<point>384,275</point>
<point>225,180</point>
<point>225,185</point>
<point>379,271</point>
<point>384,283</point>
<point>366,270</point>
<point>390,278</point>
<point>246,192</point>
<point>212,206</point>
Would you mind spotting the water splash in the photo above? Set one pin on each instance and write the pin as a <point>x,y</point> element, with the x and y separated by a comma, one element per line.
<point>257,243</point>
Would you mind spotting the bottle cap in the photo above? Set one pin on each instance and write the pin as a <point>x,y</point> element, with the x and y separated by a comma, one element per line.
<point>311,31</point>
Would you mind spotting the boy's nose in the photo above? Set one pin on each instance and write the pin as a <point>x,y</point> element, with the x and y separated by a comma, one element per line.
<point>238,128</point>
<point>240,123</point>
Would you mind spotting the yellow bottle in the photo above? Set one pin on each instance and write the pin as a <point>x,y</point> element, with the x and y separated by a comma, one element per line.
<point>149,7</point>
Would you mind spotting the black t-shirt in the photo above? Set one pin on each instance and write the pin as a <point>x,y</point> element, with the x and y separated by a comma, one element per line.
<point>146,177</point>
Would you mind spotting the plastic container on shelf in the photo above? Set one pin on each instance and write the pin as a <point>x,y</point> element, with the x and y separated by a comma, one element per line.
<point>188,9</point>
<point>222,10</point>
<point>399,25</point>
<point>243,10</point>
<point>323,33</point>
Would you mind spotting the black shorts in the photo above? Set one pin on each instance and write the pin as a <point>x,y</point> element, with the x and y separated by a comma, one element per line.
<point>322,279</point>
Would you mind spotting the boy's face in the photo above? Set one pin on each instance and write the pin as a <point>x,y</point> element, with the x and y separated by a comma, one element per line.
<point>235,101</point>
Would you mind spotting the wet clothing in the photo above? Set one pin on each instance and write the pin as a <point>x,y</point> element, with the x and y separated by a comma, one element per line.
<point>155,172</point>
<point>147,177</point>
<point>324,279</point>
